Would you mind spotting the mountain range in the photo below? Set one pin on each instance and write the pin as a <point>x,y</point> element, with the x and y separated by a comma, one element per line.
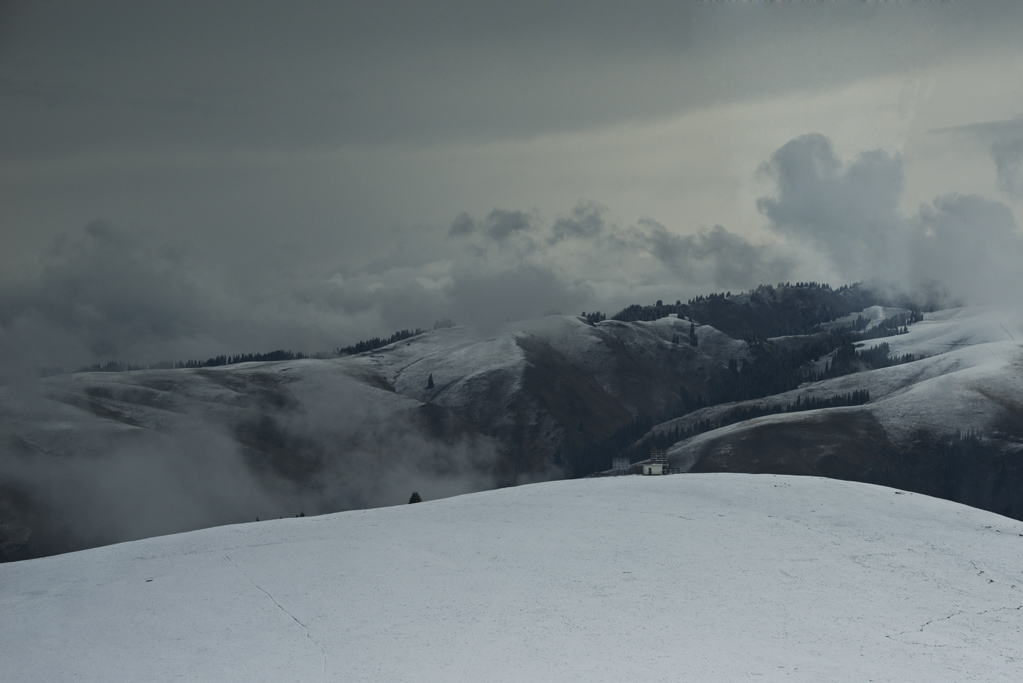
<point>850,383</point>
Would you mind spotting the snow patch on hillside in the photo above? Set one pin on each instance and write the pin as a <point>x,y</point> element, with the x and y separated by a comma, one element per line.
<point>956,328</point>
<point>874,315</point>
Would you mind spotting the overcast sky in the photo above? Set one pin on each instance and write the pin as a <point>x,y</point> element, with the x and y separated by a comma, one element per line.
<point>182,179</point>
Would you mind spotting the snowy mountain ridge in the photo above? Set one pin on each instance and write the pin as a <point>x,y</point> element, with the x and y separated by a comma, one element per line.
<point>95,458</point>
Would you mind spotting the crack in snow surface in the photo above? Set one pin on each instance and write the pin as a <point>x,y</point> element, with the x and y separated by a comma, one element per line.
<point>323,652</point>
<point>951,616</point>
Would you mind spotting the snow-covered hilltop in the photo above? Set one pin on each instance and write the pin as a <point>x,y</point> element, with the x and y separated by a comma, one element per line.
<point>712,577</point>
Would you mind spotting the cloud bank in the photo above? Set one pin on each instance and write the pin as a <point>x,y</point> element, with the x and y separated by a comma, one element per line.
<point>107,293</point>
<point>110,294</point>
<point>847,211</point>
<point>967,246</point>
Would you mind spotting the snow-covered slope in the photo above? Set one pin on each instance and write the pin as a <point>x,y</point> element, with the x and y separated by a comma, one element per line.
<point>873,315</point>
<point>92,458</point>
<point>713,577</point>
<point>469,368</point>
<point>968,377</point>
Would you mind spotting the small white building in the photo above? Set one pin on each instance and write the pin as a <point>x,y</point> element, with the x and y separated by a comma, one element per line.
<point>658,462</point>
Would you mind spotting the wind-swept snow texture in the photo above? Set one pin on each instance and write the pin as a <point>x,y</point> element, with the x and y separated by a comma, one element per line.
<point>711,577</point>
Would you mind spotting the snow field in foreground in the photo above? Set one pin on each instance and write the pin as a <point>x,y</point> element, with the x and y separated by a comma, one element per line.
<point>713,577</point>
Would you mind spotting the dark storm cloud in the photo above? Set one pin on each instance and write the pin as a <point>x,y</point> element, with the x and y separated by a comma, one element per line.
<point>106,293</point>
<point>83,76</point>
<point>207,119</point>
<point>966,245</point>
<point>585,246</point>
<point>585,222</point>
<point>502,224</point>
<point>737,262</point>
<point>848,211</point>
<point>462,225</point>
<point>101,295</point>
<point>499,225</point>
<point>715,257</point>
<point>109,294</point>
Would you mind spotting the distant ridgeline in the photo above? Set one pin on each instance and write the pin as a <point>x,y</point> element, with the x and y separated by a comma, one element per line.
<point>761,313</point>
<point>767,311</point>
<point>279,355</point>
<point>378,342</point>
<point>117,366</point>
